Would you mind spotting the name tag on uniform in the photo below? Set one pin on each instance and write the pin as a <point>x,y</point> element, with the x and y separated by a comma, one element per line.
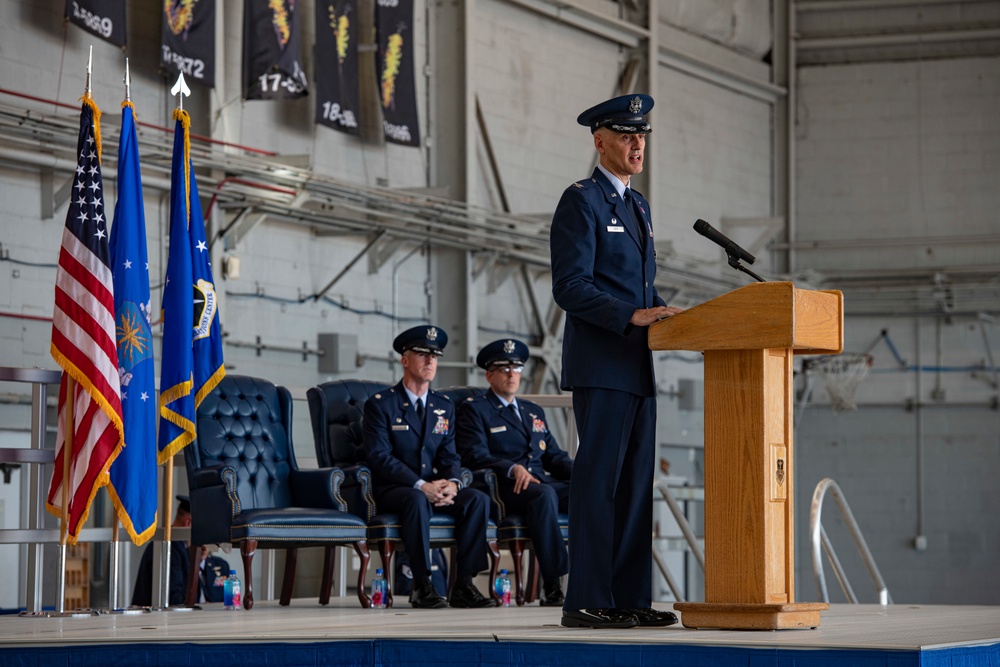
<point>498,429</point>
<point>615,228</point>
<point>400,427</point>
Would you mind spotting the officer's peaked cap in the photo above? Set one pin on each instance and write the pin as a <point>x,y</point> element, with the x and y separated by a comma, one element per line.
<point>425,338</point>
<point>626,114</point>
<point>502,352</point>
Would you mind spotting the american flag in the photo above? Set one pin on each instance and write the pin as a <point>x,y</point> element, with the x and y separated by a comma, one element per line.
<point>83,337</point>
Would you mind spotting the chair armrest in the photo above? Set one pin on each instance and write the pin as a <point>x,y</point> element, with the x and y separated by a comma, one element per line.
<point>318,488</point>
<point>485,480</point>
<point>357,491</point>
<point>466,478</point>
<point>214,503</point>
<point>207,476</point>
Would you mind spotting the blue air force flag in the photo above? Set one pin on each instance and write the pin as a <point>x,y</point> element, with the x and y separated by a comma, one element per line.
<point>133,473</point>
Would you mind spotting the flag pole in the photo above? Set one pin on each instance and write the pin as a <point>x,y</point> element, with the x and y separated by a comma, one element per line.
<point>68,440</point>
<point>180,89</point>
<point>168,484</point>
<point>67,451</point>
<point>115,573</point>
<point>90,62</point>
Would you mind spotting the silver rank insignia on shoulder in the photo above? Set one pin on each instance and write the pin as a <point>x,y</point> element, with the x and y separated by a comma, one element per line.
<point>378,395</point>
<point>577,185</point>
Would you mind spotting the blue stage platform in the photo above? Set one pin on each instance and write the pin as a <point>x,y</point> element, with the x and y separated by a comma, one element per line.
<point>306,634</point>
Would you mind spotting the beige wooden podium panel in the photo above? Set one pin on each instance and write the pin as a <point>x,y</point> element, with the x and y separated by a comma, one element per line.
<point>748,523</point>
<point>749,337</point>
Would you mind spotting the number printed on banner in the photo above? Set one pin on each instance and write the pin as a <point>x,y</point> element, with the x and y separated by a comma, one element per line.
<point>397,132</point>
<point>273,83</point>
<point>102,26</point>
<point>333,113</point>
<point>191,66</point>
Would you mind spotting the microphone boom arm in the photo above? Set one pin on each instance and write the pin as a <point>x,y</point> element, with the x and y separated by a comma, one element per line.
<point>734,261</point>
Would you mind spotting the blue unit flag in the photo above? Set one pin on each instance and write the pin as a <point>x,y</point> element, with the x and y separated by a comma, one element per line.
<point>133,473</point>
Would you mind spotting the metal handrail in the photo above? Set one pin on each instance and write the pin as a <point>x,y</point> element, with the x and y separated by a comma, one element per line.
<point>819,539</point>
<point>689,537</point>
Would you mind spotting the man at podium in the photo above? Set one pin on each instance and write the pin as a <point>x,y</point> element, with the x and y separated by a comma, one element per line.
<point>603,270</point>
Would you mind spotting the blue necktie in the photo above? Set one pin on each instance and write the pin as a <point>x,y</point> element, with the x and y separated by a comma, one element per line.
<point>640,225</point>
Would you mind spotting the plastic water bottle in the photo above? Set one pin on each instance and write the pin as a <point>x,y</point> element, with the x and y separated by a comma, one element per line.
<point>379,587</point>
<point>502,586</point>
<point>231,598</point>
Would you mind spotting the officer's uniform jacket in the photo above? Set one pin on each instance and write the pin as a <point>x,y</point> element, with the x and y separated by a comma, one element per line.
<point>490,436</point>
<point>601,273</point>
<point>397,453</point>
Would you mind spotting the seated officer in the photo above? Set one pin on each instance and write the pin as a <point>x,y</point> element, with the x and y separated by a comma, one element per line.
<point>497,431</point>
<point>409,439</point>
<point>211,579</point>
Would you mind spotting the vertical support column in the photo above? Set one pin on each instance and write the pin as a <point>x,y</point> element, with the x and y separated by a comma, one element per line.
<point>652,183</point>
<point>33,498</point>
<point>450,61</point>
<point>783,126</point>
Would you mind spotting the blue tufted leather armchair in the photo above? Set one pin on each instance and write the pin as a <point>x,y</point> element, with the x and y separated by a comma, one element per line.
<point>512,530</point>
<point>336,410</point>
<point>247,489</point>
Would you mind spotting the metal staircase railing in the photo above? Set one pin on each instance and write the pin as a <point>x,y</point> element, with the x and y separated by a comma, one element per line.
<point>819,538</point>
<point>689,537</point>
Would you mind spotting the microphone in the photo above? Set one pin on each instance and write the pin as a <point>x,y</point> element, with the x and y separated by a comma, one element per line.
<point>730,246</point>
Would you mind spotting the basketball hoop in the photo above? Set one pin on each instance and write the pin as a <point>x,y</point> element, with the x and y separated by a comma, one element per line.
<point>841,375</point>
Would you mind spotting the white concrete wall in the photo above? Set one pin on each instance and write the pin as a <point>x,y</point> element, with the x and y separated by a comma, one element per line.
<point>899,150</point>
<point>906,150</point>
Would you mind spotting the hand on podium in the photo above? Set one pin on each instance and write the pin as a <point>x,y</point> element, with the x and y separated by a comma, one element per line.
<point>643,317</point>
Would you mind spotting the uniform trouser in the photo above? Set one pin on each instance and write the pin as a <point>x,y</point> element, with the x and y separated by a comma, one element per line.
<point>540,505</point>
<point>471,512</point>
<point>610,502</point>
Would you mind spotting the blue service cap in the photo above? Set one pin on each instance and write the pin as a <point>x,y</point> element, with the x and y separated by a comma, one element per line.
<point>184,503</point>
<point>626,114</point>
<point>502,353</point>
<point>425,338</point>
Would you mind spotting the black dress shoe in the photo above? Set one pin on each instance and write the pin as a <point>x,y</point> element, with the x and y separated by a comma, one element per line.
<point>467,596</point>
<point>598,618</point>
<point>553,596</point>
<point>424,596</point>
<point>651,618</point>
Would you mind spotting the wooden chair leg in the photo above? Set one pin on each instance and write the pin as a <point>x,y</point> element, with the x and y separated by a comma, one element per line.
<point>385,551</point>
<point>362,550</point>
<point>517,553</point>
<point>452,569</point>
<point>532,593</point>
<point>494,568</point>
<point>194,576</point>
<point>329,563</point>
<point>247,550</point>
<point>288,581</point>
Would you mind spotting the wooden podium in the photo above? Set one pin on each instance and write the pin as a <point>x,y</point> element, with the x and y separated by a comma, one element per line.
<point>749,336</point>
